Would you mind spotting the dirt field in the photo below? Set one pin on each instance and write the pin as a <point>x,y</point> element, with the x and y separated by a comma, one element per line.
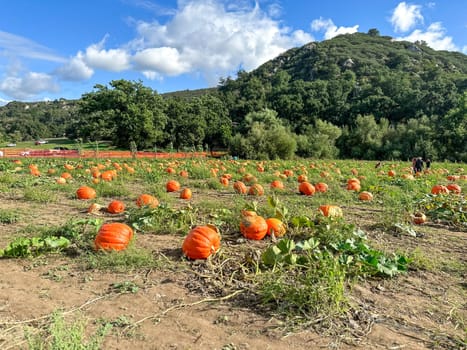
<point>178,305</point>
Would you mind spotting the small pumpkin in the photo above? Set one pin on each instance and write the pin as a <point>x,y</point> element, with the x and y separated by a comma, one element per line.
<point>321,187</point>
<point>186,193</point>
<point>86,192</point>
<point>277,185</point>
<point>116,207</point>
<point>113,236</point>
<point>201,242</point>
<point>302,178</point>
<point>256,190</point>
<point>306,188</point>
<point>172,186</point>
<point>353,184</point>
<point>332,211</point>
<point>147,200</point>
<point>418,218</point>
<point>276,227</point>
<point>253,226</point>
<point>365,196</point>
<point>240,187</point>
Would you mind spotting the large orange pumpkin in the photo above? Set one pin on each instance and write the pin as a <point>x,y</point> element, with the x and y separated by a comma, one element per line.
<point>439,189</point>
<point>306,188</point>
<point>276,227</point>
<point>172,186</point>
<point>321,187</point>
<point>113,236</point>
<point>201,242</point>
<point>253,226</point>
<point>277,185</point>
<point>455,188</point>
<point>116,207</point>
<point>147,200</point>
<point>85,192</point>
<point>240,187</point>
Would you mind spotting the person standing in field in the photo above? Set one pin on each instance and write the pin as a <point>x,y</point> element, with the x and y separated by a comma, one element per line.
<point>418,165</point>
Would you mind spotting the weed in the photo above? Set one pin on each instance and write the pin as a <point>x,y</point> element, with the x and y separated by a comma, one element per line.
<point>8,216</point>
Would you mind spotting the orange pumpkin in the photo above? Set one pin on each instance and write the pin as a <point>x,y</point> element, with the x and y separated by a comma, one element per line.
<point>116,207</point>
<point>108,175</point>
<point>224,181</point>
<point>253,226</point>
<point>277,185</point>
<point>439,189</point>
<point>321,187</point>
<point>172,186</point>
<point>302,178</point>
<point>147,200</point>
<point>306,188</point>
<point>455,188</point>
<point>418,218</point>
<point>186,193</point>
<point>240,187</point>
<point>353,184</point>
<point>113,236</point>
<point>256,190</point>
<point>276,227</point>
<point>365,196</point>
<point>331,210</point>
<point>201,242</point>
<point>86,192</point>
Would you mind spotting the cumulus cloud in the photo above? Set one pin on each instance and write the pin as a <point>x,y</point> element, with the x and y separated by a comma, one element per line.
<point>114,60</point>
<point>435,36</point>
<point>75,69</point>
<point>330,29</point>
<point>207,38</point>
<point>405,17</point>
<point>28,85</point>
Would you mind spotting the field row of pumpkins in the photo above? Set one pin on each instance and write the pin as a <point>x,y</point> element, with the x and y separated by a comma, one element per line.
<point>238,176</point>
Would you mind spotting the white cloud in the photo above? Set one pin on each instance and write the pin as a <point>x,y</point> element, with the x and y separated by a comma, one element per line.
<point>75,70</point>
<point>330,29</point>
<point>205,37</point>
<point>27,86</point>
<point>114,60</point>
<point>405,17</point>
<point>3,102</point>
<point>435,36</point>
<point>160,59</point>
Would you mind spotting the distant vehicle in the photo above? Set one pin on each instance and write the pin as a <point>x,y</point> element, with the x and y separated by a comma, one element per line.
<point>41,142</point>
<point>11,144</point>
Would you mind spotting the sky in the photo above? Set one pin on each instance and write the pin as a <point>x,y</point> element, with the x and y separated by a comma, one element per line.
<point>63,48</point>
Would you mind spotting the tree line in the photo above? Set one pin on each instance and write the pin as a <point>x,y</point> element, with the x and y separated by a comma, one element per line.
<point>355,96</point>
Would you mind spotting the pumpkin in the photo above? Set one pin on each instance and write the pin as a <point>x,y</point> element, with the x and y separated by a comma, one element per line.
<point>455,188</point>
<point>365,196</point>
<point>276,227</point>
<point>253,226</point>
<point>201,242</point>
<point>116,207</point>
<point>306,188</point>
<point>277,185</point>
<point>108,175</point>
<point>391,173</point>
<point>224,181</point>
<point>353,184</point>
<point>418,218</point>
<point>172,186</point>
<point>61,181</point>
<point>321,187</point>
<point>240,187</point>
<point>86,192</point>
<point>302,178</point>
<point>439,189</point>
<point>256,190</point>
<point>113,236</point>
<point>333,211</point>
<point>183,173</point>
<point>186,193</point>
<point>66,176</point>
<point>147,200</point>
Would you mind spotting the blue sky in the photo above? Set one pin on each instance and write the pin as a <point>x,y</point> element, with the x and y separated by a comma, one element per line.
<point>62,48</point>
